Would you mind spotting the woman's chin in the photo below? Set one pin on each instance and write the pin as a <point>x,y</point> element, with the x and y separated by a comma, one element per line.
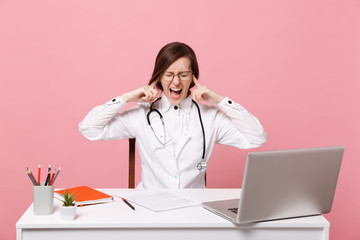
<point>175,99</point>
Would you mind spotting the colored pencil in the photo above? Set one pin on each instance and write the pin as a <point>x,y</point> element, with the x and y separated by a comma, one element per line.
<point>48,176</point>
<point>56,175</point>
<point>32,179</point>
<point>52,177</point>
<point>39,171</point>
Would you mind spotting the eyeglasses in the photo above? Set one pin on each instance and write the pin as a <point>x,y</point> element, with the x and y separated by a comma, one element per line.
<point>183,76</point>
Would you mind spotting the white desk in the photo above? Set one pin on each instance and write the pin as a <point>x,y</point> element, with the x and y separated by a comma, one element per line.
<point>116,220</point>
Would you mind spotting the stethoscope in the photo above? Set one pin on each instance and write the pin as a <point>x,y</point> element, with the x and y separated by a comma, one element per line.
<point>202,165</point>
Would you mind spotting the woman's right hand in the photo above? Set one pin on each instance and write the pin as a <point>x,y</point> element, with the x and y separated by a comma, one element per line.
<point>143,94</point>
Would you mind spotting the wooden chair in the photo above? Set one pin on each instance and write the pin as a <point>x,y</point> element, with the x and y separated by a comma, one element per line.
<point>132,163</point>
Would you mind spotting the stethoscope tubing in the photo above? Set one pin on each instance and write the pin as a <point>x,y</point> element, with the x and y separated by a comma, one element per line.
<point>162,119</point>
<point>202,128</point>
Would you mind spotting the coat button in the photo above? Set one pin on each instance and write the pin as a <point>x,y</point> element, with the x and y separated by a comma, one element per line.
<point>176,107</point>
<point>230,102</point>
<point>114,100</point>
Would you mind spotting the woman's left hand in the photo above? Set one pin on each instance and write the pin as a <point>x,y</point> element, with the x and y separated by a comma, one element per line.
<point>202,93</point>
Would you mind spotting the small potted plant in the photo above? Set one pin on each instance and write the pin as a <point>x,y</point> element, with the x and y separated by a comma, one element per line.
<point>68,210</point>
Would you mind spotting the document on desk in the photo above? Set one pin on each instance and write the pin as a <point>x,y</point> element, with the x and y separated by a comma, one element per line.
<point>157,200</point>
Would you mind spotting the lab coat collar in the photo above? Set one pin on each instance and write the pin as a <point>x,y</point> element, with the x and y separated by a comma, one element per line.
<point>185,105</point>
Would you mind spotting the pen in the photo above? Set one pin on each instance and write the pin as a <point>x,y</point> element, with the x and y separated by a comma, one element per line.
<point>132,207</point>
<point>57,173</point>
<point>39,171</point>
<point>30,176</point>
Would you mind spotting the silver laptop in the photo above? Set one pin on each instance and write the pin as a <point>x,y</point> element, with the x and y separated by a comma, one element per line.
<point>284,184</point>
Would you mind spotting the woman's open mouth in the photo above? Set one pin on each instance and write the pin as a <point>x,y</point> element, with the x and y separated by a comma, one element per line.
<point>175,92</point>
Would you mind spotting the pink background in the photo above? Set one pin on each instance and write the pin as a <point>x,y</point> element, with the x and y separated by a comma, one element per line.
<point>293,64</point>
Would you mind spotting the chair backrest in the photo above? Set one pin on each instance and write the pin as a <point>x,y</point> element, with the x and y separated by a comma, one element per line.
<point>132,163</point>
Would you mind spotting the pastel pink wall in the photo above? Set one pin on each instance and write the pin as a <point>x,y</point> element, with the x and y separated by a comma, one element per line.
<point>294,64</point>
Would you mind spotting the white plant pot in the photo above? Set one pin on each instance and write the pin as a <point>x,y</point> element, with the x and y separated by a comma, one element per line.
<point>68,213</point>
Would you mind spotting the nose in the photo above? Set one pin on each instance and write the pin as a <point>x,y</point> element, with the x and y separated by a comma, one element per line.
<point>176,80</point>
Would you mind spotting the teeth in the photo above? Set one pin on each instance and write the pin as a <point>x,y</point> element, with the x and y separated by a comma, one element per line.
<point>175,89</point>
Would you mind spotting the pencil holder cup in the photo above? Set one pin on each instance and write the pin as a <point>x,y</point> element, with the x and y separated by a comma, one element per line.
<point>43,199</point>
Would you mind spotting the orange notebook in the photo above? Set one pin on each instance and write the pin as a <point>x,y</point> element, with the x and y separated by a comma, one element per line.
<point>86,195</point>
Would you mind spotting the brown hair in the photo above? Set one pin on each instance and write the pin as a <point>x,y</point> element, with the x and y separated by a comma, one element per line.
<point>169,54</point>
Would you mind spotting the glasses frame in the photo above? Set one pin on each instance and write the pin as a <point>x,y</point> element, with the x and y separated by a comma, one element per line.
<point>178,75</point>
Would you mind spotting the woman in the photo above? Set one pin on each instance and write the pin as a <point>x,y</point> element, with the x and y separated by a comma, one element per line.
<point>175,135</point>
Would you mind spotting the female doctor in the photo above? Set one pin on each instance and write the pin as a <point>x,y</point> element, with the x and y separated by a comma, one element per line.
<point>175,134</point>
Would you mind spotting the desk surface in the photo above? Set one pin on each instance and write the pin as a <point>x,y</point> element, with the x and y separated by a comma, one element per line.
<point>118,215</point>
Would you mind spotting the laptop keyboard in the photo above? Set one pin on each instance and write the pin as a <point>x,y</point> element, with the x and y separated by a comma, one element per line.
<point>234,210</point>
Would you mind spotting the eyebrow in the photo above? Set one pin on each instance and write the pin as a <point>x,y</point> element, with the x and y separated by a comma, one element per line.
<point>178,72</point>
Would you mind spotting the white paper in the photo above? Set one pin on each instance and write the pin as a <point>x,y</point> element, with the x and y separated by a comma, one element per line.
<point>157,200</point>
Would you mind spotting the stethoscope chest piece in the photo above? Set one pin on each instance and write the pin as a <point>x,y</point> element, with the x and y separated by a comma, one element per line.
<point>202,166</point>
